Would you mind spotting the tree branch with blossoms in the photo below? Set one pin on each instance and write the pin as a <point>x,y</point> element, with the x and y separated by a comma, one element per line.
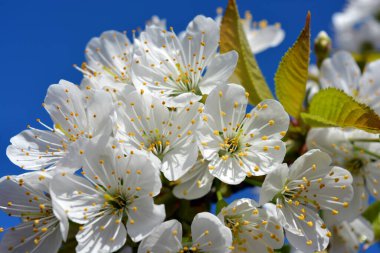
<point>163,127</point>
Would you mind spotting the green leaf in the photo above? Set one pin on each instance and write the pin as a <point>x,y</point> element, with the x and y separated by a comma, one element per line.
<point>376,228</point>
<point>232,37</point>
<point>333,107</point>
<point>292,73</point>
<point>372,214</point>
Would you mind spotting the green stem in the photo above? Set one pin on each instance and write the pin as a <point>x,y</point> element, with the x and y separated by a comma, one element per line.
<point>367,152</point>
<point>365,140</point>
<point>219,195</point>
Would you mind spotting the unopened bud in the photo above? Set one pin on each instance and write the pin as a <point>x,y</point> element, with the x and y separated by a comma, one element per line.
<point>322,46</point>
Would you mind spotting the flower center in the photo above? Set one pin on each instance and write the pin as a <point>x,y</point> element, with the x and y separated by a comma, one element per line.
<point>235,225</point>
<point>188,248</point>
<point>186,81</point>
<point>354,165</point>
<point>117,201</point>
<point>156,142</point>
<point>230,146</point>
<point>158,147</point>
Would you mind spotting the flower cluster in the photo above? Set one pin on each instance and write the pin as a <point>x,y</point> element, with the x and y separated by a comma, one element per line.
<point>155,130</point>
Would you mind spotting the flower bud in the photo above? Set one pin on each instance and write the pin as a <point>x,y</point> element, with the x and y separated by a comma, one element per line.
<point>322,46</point>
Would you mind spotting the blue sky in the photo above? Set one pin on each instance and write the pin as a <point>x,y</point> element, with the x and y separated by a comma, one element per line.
<point>41,40</point>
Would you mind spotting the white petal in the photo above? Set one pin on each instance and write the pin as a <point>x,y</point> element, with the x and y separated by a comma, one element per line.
<point>143,216</point>
<point>219,70</point>
<point>140,113</point>
<point>333,193</point>
<point>261,226</point>
<point>300,234</point>
<point>99,111</point>
<point>143,174</point>
<point>107,83</point>
<point>110,55</point>
<point>267,119</point>
<point>102,234</point>
<point>342,72</point>
<point>208,141</point>
<point>179,160</point>
<point>273,184</point>
<point>264,38</point>
<point>358,204</point>
<point>61,216</point>
<point>12,241</point>
<point>100,160</point>
<point>263,156</point>
<point>208,228</point>
<point>76,196</point>
<point>350,235</point>
<point>220,105</point>
<point>65,104</point>
<point>228,171</point>
<point>196,183</point>
<point>36,149</point>
<point>369,86</point>
<point>332,140</point>
<point>363,228</point>
<point>305,164</point>
<point>372,177</point>
<point>239,206</point>
<point>14,200</point>
<point>166,237</point>
<point>105,165</point>
<point>201,29</point>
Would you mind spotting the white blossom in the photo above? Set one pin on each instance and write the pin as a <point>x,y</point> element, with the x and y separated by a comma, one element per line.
<point>357,26</point>
<point>113,199</point>
<point>238,144</point>
<point>157,21</point>
<point>180,69</point>
<point>166,134</point>
<point>338,143</point>
<point>108,66</point>
<point>208,234</point>
<point>312,85</point>
<point>253,229</point>
<point>348,236</point>
<point>43,222</point>
<point>77,117</point>
<point>310,184</point>
<point>342,72</point>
